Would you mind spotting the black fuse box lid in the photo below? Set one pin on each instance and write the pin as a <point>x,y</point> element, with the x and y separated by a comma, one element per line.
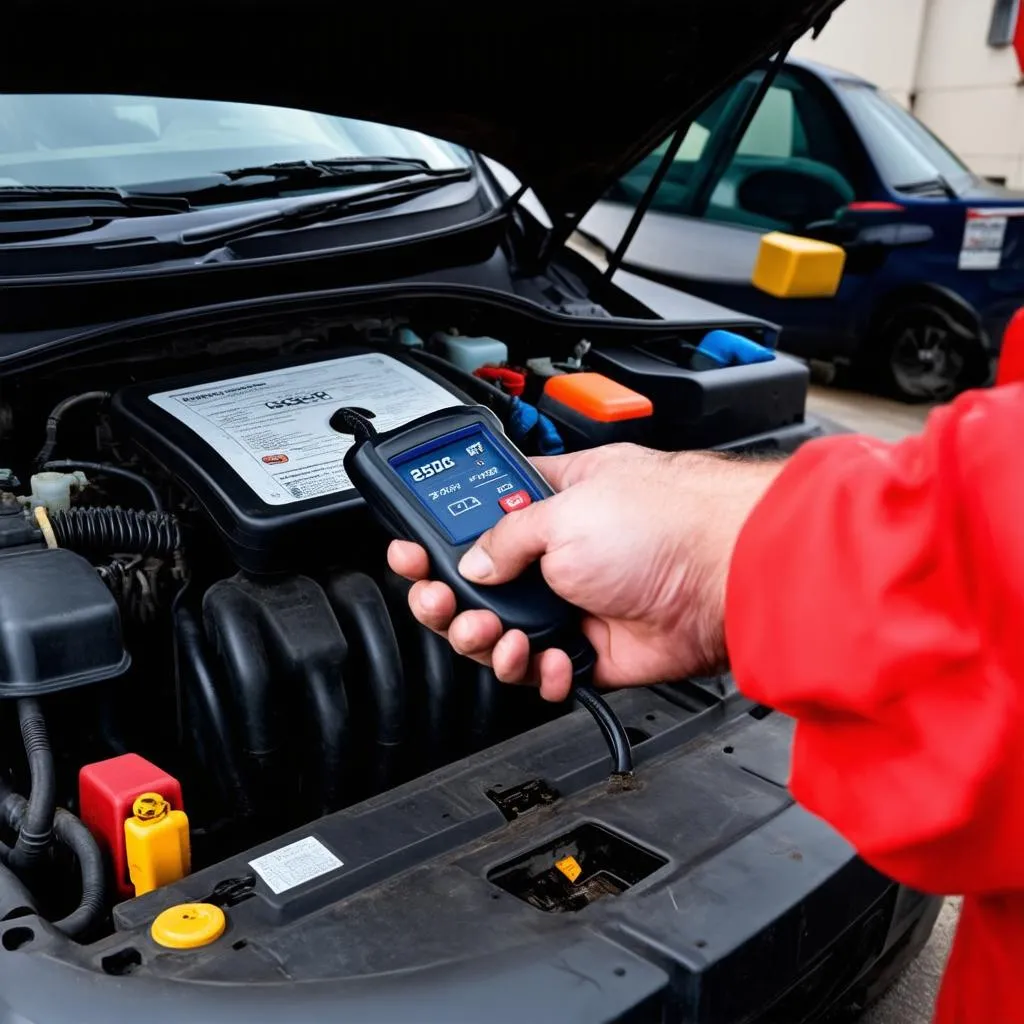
<point>59,625</point>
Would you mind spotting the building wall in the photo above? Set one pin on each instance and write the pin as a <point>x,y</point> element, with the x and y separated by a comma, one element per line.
<point>933,55</point>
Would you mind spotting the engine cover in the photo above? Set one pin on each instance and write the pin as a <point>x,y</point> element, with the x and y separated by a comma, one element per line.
<point>257,450</point>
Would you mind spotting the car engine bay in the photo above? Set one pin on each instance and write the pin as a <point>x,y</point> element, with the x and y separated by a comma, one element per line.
<point>202,646</point>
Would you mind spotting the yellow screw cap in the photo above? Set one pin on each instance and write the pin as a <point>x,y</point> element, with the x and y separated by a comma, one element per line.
<point>189,926</point>
<point>150,807</point>
<point>569,867</point>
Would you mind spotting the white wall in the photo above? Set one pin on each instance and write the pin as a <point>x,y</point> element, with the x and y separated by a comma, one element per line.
<point>968,92</point>
<point>936,52</point>
<point>877,39</point>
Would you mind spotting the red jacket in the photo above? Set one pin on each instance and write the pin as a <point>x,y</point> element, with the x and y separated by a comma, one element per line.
<point>877,596</point>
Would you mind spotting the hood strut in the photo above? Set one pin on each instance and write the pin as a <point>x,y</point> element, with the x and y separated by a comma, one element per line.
<point>718,164</point>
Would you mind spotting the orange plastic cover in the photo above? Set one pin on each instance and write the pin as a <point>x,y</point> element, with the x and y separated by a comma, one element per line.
<point>598,397</point>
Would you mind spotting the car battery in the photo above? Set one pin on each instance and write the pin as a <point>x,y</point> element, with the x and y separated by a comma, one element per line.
<point>591,409</point>
<point>702,408</point>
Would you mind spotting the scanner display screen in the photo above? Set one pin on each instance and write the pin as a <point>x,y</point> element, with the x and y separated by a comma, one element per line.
<point>465,481</point>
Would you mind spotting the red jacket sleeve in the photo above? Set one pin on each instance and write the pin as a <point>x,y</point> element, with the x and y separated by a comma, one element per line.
<point>877,595</point>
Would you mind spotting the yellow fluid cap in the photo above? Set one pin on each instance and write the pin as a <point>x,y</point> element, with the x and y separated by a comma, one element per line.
<point>150,807</point>
<point>189,926</point>
<point>569,867</point>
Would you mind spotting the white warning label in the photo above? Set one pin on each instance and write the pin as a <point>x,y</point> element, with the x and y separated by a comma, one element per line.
<point>295,864</point>
<point>273,429</point>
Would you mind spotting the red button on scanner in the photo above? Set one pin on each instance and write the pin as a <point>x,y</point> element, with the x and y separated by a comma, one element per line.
<point>515,501</point>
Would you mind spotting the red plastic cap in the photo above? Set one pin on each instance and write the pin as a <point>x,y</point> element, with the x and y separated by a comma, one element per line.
<point>513,382</point>
<point>1011,357</point>
<point>106,792</point>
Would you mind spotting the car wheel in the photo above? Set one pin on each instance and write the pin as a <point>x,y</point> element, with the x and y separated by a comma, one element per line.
<point>921,354</point>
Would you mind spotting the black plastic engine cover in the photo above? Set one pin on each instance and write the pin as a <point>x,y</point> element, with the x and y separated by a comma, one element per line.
<point>61,626</point>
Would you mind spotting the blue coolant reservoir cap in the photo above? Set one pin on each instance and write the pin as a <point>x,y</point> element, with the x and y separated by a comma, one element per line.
<point>726,348</point>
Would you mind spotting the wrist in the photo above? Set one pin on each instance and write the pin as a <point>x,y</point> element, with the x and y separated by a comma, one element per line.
<point>734,490</point>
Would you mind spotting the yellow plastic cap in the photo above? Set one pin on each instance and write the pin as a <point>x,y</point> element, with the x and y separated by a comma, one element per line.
<point>790,267</point>
<point>569,867</point>
<point>189,926</point>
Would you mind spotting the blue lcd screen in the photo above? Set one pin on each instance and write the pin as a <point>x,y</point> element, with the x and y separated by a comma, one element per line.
<point>465,481</point>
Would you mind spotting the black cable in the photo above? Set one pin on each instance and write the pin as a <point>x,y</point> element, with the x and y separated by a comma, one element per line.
<point>53,420</point>
<point>117,531</point>
<point>612,729</point>
<point>71,833</point>
<point>104,468</point>
<point>35,832</point>
<point>354,422</point>
<point>93,899</point>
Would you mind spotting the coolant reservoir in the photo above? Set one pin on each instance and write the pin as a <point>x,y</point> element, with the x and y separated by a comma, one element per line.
<point>470,354</point>
<point>53,490</point>
<point>157,843</point>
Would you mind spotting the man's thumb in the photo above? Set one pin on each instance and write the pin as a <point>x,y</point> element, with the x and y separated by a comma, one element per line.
<point>503,552</point>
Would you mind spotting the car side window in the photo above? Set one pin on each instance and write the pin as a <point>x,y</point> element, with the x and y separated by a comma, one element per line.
<point>676,190</point>
<point>790,169</point>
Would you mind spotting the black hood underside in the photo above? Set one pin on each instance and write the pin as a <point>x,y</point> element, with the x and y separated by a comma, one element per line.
<point>566,94</point>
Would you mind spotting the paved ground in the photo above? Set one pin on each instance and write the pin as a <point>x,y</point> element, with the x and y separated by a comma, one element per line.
<point>867,414</point>
<point>911,999</point>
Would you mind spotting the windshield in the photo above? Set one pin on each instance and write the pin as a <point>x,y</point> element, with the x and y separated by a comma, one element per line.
<point>906,152</point>
<point>64,140</point>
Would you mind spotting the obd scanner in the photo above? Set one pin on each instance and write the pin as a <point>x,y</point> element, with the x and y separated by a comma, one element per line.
<point>442,481</point>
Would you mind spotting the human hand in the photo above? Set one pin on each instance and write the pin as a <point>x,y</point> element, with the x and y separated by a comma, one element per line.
<point>641,540</point>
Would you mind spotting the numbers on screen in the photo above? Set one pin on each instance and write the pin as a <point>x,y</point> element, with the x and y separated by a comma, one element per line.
<point>432,468</point>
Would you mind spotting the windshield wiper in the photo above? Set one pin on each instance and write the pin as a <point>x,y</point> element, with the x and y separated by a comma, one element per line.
<point>312,209</point>
<point>934,186</point>
<point>271,180</point>
<point>26,202</point>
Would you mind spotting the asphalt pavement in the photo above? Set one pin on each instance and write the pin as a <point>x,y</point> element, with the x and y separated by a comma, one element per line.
<point>912,999</point>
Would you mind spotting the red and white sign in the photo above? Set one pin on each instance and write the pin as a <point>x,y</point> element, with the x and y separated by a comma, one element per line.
<point>984,236</point>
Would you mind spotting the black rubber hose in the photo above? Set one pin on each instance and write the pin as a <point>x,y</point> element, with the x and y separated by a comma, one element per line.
<point>104,469</point>
<point>613,730</point>
<point>35,833</point>
<point>204,724</point>
<point>117,531</point>
<point>71,833</point>
<point>53,420</point>
<point>92,903</point>
<point>364,619</point>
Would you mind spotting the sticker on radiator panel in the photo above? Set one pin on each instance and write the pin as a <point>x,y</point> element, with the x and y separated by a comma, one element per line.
<point>984,235</point>
<point>295,864</point>
<point>253,421</point>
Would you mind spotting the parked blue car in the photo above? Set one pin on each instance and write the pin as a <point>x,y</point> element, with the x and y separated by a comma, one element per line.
<point>935,264</point>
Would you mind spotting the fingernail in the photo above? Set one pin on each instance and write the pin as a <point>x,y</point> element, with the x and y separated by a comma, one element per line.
<point>476,564</point>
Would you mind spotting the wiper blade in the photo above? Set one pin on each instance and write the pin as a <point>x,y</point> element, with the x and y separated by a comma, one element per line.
<point>31,203</point>
<point>310,210</point>
<point>270,180</point>
<point>938,185</point>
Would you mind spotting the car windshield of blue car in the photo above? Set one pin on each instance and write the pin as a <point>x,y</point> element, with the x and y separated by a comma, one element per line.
<point>121,141</point>
<point>909,157</point>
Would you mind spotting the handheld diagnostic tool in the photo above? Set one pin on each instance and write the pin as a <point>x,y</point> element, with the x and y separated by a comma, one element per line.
<point>443,480</point>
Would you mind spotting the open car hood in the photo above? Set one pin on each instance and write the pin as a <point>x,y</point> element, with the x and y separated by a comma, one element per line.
<point>567,95</point>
